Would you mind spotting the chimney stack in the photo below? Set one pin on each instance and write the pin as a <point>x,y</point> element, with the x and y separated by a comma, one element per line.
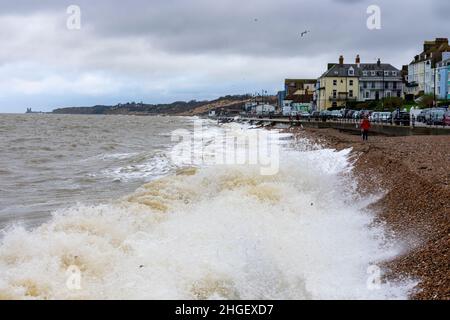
<point>441,41</point>
<point>341,60</point>
<point>357,60</point>
<point>379,62</point>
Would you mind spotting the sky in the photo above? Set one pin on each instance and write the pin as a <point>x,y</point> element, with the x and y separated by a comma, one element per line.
<point>159,51</point>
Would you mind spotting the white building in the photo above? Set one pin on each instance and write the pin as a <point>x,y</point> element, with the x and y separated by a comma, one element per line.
<point>421,71</point>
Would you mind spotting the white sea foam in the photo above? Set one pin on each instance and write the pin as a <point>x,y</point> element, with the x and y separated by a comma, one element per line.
<point>153,167</point>
<point>212,232</point>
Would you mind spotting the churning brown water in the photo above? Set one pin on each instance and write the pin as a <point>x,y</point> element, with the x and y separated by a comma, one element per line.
<point>134,225</point>
<point>49,162</point>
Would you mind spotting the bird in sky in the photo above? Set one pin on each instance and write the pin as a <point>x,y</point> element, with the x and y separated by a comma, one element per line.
<point>304,33</point>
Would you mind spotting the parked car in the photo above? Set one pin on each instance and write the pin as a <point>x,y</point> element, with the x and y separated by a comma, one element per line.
<point>385,117</point>
<point>316,115</point>
<point>356,114</point>
<point>401,118</point>
<point>349,114</point>
<point>374,117</point>
<point>325,114</point>
<point>365,113</point>
<point>286,111</point>
<point>435,116</point>
<point>421,116</point>
<point>447,118</point>
<point>336,114</point>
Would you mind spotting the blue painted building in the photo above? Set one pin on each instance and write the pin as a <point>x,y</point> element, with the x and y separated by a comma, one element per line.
<point>281,95</point>
<point>442,77</point>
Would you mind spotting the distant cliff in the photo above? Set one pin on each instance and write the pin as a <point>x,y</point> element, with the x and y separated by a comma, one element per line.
<point>83,110</point>
<point>191,108</point>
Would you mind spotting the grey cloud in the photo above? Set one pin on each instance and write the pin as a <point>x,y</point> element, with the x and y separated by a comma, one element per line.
<point>169,39</point>
<point>229,27</point>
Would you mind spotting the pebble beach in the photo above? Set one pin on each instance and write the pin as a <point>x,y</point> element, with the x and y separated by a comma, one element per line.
<point>413,175</point>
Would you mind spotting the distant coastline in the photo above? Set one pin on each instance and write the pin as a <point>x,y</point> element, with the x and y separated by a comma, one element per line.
<point>182,108</point>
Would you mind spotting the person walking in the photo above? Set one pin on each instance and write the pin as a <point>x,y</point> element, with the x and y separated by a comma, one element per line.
<point>365,126</point>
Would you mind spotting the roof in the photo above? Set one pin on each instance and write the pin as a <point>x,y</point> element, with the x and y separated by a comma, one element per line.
<point>293,85</point>
<point>299,81</point>
<point>300,98</point>
<point>341,70</point>
<point>432,51</point>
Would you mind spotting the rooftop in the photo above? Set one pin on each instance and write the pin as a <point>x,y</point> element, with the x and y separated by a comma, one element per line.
<point>342,70</point>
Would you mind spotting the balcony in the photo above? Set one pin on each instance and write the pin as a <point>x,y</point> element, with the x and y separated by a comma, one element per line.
<point>412,84</point>
<point>342,97</point>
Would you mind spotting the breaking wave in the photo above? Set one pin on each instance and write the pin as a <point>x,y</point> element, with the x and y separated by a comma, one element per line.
<point>218,232</point>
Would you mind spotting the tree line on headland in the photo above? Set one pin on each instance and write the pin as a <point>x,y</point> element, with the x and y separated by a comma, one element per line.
<point>192,107</point>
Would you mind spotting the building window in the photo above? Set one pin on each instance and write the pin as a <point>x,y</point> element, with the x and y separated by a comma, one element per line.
<point>351,82</point>
<point>334,93</point>
<point>372,73</point>
<point>386,73</point>
<point>365,73</point>
<point>394,85</point>
<point>367,94</point>
<point>351,72</point>
<point>394,73</point>
<point>388,94</point>
<point>365,85</point>
<point>386,85</point>
<point>350,93</point>
<point>334,82</point>
<point>373,85</point>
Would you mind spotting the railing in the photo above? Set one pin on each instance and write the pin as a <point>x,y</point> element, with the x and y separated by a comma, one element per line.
<point>386,122</point>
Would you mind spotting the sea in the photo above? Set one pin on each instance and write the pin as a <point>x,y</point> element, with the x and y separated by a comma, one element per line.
<point>143,207</point>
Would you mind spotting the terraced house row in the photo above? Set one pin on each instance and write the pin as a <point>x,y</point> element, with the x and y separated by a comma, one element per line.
<point>428,71</point>
<point>341,83</point>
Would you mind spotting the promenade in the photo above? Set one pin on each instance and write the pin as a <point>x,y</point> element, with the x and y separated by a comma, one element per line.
<point>349,125</point>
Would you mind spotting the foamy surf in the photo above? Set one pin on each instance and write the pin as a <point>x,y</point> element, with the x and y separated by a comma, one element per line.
<point>217,232</point>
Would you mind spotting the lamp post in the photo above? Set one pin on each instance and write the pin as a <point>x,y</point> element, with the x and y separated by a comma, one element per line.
<point>434,89</point>
<point>384,91</point>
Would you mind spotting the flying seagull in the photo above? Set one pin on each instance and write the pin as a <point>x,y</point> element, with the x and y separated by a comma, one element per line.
<point>304,33</point>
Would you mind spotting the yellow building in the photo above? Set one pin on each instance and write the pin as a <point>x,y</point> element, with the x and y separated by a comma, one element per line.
<point>338,85</point>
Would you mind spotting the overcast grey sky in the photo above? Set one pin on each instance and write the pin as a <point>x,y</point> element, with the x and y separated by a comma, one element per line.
<point>166,50</point>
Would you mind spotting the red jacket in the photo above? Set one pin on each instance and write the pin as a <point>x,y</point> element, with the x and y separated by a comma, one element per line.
<point>365,124</point>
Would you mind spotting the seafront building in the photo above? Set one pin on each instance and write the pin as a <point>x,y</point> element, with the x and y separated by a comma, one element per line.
<point>343,83</point>
<point>422,70</point>
<point>338,85</point>
<point>299,94</point>
<point>378,81</point>
<point>442,77</point>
